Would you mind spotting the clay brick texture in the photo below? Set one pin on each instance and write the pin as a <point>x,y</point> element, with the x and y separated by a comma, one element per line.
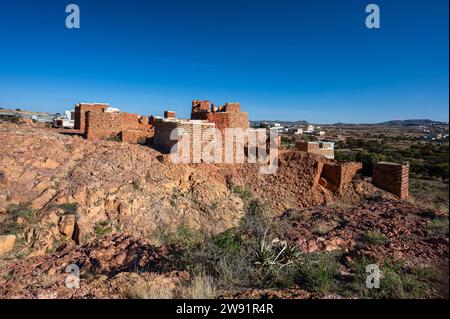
<point>80,113</point>
<point>392,177</point>
<point>226,116</point>
<point>169,115</point>
<point>338,175</point>
<point>131,128</point>
<point>200,109</point>
<point>194,129</point>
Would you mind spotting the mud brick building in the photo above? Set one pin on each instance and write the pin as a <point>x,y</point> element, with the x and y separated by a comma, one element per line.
<point>392,177</point>
<point>322,148</point>
<point>80,113</point>
<point>224,116</point>
<point>203,116</point>
<point>195,130</point>
<point>97,121</point>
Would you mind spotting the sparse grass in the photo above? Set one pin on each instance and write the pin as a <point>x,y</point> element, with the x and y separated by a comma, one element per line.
<point>244,193</point>
<point>46,280</point>
<point>200,287</point>
<point>321,229</point>
<point>397,281</point>
<point>340,204</point>
<point>152,288</point>
<point>184,235</point>
<point>438,227</point>
<point>15,213</point>
<point>103,228</point>
<point>69,208</point>
<point>373,237</point>
<point>442,200</point>
<point>317,272</point>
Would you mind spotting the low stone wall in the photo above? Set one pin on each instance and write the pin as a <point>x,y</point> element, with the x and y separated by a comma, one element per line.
<point>392,177</point>
<point>101,125</point>
<point>338,175</point>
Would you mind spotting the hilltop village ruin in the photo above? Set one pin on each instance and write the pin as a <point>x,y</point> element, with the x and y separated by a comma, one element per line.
<point>96,121</point>
<point>108,196</point>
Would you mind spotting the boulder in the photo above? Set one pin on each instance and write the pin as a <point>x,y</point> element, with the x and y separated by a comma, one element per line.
<point>67,225</point>
<point>6,243</point>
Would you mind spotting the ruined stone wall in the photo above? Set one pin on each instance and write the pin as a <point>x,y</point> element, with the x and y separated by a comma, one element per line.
<point>195,131</point>
<point>169,115</point>
<point>392,177</point>
<point>338,175</point>
<point>162,134</point>
<point>226,116</point>
<point>224,120</point>
<point>232,107</point>
<point>130,127</point>
<point>80,113</point>
<point>101,125</point>
<point>200,109</point>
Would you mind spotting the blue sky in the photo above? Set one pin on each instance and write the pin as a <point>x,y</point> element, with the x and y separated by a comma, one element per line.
<point>285,60</point>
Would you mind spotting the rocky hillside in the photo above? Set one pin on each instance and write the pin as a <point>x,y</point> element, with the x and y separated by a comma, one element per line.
<point>80,186</point>
<point>128,216</point>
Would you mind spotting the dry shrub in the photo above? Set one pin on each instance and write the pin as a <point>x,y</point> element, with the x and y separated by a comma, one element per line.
<point>200,287</point>
<point>150,288</point>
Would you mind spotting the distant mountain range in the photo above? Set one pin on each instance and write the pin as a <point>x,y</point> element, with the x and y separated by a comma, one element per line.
<point>410,122</point>
<point>413,122</point>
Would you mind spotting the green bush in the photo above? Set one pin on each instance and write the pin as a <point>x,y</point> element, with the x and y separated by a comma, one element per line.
<point>185,236</point>
<point>11,226</point>
<point>244,193</point>
<point>103,228</point>
<point>317,272</point>
<point>396,281</point>
<point>69,208</point>
<point>228,241</point>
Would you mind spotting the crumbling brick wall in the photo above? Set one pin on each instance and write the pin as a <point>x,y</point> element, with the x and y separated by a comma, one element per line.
<point>131,128</point>
<point>224,120</point>
<point>392,177</point>
<point>80,113</point>
<point>169,115</point>
<point>226,116</point>
<point>338,175</point>
<point>234,107</point>
<point>195,130</point>
<point>200,110</point>
<point>101,125</point>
